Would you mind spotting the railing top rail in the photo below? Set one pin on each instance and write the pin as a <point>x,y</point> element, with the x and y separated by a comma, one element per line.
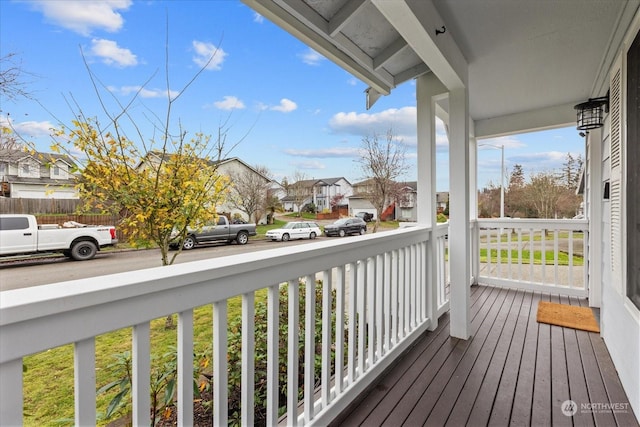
<point>558,224</point>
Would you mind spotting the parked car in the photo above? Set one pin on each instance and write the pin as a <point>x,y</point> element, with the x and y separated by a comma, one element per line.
<point>221,231</point>
<point>345,226</point>
<point>368,217</point>
<point>295,230</point>
<point>21,235</point>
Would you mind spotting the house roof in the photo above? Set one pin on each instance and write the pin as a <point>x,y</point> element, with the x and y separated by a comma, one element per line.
<point>14,156</point>
<point>525,63</point>
<point>322,182</point>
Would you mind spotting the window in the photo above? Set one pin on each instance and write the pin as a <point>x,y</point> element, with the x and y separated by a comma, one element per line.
<point>26,168</point>
<point>56,170</point>
<point>14,223</point>
<point>3,168</point>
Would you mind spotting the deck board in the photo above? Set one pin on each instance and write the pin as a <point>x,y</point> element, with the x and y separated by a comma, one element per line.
<point>512,371</point>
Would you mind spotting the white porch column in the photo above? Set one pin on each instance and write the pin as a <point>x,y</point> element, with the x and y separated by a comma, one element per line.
<point>473,206</point>
<point>593,211</point>
<point>428,87</point>
<point>459,235</point>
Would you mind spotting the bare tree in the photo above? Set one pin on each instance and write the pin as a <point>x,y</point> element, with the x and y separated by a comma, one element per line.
<point>382,161</point>
<point>250,191</point>
<point>543,192</point>
<point>297,190</point>
<point>12,84</point>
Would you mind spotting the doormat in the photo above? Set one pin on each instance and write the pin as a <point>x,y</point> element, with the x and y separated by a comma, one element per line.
<point>568,316</point>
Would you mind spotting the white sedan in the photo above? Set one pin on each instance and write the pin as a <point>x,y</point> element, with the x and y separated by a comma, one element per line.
<point>295,230</point>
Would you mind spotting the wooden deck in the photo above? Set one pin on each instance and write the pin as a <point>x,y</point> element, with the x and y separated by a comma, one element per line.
<point>513,371</point>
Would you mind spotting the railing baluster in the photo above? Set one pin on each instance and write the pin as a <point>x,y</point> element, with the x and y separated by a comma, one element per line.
<point>220,348</point>
<point>556,253</point>
<point>508,253</point>
<point>141,360</point>
<point>340,322</point>
<point>379,304</point>
<point>84,382</point>
<point>326,338</point>
<point>401,294</point>
<point>395,300</point>
<point>499,258</point>
<point>248,359</point>
<point>11,401</point>
<point>570,237</point>
<point>353,324</point>
<point>387,283</point>
<point>309,346</point>
<point>543,256</point>
<point>292,352</point>
<point>273,360</point>
<point>185,368</point>
<point>362,321</point>
<point>531,253</point>
<point>519,253</point>
<point>371,311</point>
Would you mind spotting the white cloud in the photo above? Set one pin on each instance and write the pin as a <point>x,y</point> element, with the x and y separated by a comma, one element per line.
<point>311,57</point>
<point>111,53</point>
<point>285,106</point>
<point>229,103</point>
<point>507,141</point>
<point>207,54</point>
<point>29,129</point>
<point>144,92</point>
<point>258,18</point>
<point>401,122</point>
<point>334,152</point>
<point>309,165</point>
<point>84,16</point>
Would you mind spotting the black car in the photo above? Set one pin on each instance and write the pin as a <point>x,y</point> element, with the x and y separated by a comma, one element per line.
<point>368,217</point>
<point>345,226</point>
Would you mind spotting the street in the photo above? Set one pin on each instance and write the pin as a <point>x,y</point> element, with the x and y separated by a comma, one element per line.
<point>40,271</point>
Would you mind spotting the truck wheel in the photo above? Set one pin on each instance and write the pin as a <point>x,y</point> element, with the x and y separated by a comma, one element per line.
<point>83,250</point>
<point>189,243</point>
<point>242,238</point>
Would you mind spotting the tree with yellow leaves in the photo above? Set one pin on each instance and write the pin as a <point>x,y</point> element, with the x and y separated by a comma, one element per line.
<point>158,194</point>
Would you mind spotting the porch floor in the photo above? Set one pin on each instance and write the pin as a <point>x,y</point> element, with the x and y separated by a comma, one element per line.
<point>512,371</point>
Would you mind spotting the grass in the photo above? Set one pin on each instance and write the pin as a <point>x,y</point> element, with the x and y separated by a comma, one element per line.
<point>563,257</point>
<point>48,380</point>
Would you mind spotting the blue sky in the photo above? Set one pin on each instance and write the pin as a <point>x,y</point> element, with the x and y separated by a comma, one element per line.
<point>285,106</point>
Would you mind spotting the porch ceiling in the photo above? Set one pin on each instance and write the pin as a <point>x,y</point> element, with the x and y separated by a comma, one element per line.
<point>525,63</point>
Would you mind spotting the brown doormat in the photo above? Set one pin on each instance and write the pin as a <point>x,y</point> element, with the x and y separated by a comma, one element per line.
<point>567,315</point>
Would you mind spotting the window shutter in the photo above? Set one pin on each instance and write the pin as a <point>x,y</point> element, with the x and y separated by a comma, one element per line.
<point>615,115</point>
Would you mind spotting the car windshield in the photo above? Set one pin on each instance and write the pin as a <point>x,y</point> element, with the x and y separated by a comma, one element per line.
<point>341,221</point>
<point>289,225</point>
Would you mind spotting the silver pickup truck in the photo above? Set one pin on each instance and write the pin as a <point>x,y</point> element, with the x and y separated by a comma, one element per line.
<point>221,231</point>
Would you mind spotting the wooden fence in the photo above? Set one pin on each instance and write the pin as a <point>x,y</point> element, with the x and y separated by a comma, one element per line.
<point>57,211</point>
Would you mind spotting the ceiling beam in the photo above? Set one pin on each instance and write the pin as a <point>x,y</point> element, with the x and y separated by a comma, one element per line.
<point>553,117</point>
<point>389,52</point>
<point>344,15</point>
<point>323,45</point>
<point>417,21</point>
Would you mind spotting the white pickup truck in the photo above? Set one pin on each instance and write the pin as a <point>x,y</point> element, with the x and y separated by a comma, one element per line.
<point>21,234</point>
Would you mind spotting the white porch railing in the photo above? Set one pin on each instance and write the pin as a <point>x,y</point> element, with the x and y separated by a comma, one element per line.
<point>535,254</point>
<point>382,298</point>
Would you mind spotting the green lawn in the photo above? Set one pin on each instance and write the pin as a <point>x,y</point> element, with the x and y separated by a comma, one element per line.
<point>48,379</point>
<point>563,258</point>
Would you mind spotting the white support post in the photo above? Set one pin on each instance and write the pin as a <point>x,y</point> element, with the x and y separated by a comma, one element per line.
<point>459,234</point>
<point>185,368</point>
<point>593,211</point>
<point>473,208</point>
<point>85,381</point>
<point>428,88</point>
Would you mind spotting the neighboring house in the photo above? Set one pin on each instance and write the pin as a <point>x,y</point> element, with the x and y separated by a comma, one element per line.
<point>405,199</point>
<point>232,167</point>
<point>320,192</point>
<point>33,175</point>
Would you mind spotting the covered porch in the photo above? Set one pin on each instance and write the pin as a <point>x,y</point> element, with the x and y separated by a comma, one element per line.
<point>511,371</point>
